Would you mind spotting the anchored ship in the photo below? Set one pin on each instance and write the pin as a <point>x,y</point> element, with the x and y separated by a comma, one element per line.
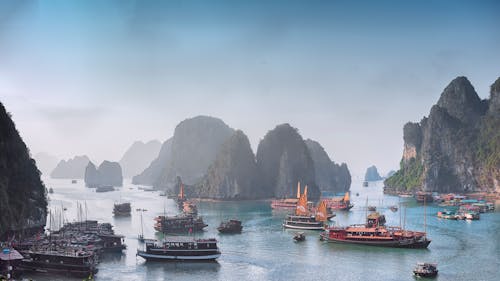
<point>181,248</point>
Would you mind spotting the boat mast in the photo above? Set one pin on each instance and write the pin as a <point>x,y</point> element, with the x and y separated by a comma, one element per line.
<point>142,227</point>
<point>425,218</point>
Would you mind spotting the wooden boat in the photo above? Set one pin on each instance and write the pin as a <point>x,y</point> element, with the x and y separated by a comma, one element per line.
<point>425,270</point>
<point>181,248</point>
<point>394,208</point>
<point>122,209</point>
<point>339,203</point>
<point>365,184</point>
<point>287,203</point>
<point>422,196</point>
<point>231,226</point>
<point>179,224</point>
<point>375,233</point>
<point>77,264</point>
<point>449,215</point>
<point>74,181</point>
<point>303,219</point>
<point>299,237</point>
<point>372,208</point>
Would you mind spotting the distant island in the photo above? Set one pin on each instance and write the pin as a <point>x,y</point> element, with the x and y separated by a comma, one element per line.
<point>372,174</point>
<point>71,169</point>
<point>108,173</point>
<point>137,158</point>
<point>222,165</point>
<point>456,148</point>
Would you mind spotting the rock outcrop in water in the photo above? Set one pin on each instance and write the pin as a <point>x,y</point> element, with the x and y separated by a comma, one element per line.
<point>108,173</point>
<point>195,144</point>
<point>71,169</point>
<point>372,174</point>
<point>283,159</point>
<point>234,173</point>
<point>329,175</point>
<point>152,174</point>
<point>456,148</point>
<point>23,204</point>
<point>138,157</point>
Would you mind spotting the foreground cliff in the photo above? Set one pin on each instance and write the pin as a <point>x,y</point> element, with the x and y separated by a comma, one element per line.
<point>283,159</point>
<point>456,148</point>
<point>234,173</point>
<point>22,194</point>
<point>108,173</point>
<point>329,176</point>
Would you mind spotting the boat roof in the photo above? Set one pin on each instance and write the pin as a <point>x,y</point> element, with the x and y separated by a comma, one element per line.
<point>187,239</point>
<point>12,254</point>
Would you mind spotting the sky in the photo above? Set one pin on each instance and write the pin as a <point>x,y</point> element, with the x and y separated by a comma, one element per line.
<point>91,77</point>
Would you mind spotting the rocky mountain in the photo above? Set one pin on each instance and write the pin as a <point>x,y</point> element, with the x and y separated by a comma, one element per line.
<point>283,159</point>
<point>233,174</point>
<point>138,157</point>
<point>23,204</point>
<point>456,148</point>
<point>108,173</point>
<point>329,176</point>
<point>72,169</point>
<point>372,174</point>
<point>195,144</point>
<point>45,162</point>
<point>152,174</point>
<point>390,173</point>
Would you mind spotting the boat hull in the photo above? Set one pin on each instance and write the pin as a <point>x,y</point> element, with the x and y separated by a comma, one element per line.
<point>177,257</point>
<point>303,227</point>
<point>406,243</point>
<point>59,269</point>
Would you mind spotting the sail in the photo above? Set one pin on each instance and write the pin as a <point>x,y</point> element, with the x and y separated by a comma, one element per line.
<point>321,211</point>
<point>181,191</point>
<point>305,192</point>
<point>302,206</point>
<point>298,190</point>
<point>346,197</point>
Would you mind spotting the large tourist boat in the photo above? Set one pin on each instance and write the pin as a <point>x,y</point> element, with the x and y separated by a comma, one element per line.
<point>77,264</point>
<point>375,233</point>
<point>422,196</point>
<point>180,248</point>
<point>287,203</point>
<point>304,219</point>
<point>179,224</point>
<point>338,203</point>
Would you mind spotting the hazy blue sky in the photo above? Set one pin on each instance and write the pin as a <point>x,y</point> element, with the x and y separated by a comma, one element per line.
<point>90,77</point>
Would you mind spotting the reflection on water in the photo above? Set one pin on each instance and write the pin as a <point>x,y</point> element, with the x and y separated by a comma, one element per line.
<point>266,251</point>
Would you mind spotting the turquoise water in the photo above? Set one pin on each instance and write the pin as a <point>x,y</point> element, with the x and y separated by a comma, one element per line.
<point>265,251</point>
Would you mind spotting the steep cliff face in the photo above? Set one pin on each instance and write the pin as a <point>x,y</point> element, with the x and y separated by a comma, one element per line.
<point>195,144</point>
<point>22,194</point>
<point>329,176</point>
<point>372,174</point>
<point>283,159</point>
<point>456,148</point>
<point>138,157</point>
<point>108,173</point>
<point>152,174</point>
<point>71,169</point>
<point>234,174</point>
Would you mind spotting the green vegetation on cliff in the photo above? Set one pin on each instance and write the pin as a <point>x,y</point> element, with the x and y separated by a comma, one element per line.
<point>488,148</point>
<point>408,177</point>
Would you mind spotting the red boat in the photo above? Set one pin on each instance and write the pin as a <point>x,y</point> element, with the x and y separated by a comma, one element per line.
<point>288,203</point>
<point>375,233</point>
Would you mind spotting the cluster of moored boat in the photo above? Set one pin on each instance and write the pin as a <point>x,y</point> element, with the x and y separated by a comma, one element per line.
<point>73,250</point>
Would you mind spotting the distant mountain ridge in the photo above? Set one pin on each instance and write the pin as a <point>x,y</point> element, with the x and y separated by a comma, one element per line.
<point>108,173</point>
<point>457,147</point>
<point>137,157</point>
<point>71,169</point>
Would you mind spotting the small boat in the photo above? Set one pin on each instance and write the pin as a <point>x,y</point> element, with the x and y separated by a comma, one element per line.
<point>357,193</point>
<point>365,184</point>
<point>372,208</point>
<point>231,226</point>
<point>122,209</point>
<point>299,237</point>
<point>425,270</point>
<point>422,196</point>
<point>51,190</point>
<point>449,215</point>
<point>405,195</point>
<point>105,188</point>
<point>181,248</point>
<point>394,208</point>
<point>74,181</point>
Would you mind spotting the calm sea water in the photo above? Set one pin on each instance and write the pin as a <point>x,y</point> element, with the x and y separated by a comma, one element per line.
<point>265,251</point>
